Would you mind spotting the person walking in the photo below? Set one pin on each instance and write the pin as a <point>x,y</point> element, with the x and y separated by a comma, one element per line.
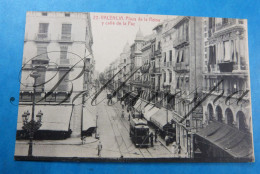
<point>167,139</point>
<point>123,114</point>
<point>151,138</point>
<point>156,135</point>
<point>99,147</point>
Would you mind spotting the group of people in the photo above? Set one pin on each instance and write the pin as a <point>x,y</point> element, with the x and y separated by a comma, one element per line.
<point>155,136</point>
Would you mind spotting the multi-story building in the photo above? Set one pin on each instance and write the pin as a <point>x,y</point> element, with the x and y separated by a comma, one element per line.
<point>168,83</point>
<point>188,77</point>
<point>226,111</point>
<point>136,60</point>
<point>57,45</point>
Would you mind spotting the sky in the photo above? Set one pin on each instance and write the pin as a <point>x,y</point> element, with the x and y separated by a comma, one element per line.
<point>109,37</point>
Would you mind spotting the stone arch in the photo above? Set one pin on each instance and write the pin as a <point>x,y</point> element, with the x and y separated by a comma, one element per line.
<point>219,114</point>
<point>229,117</point>
<point>241,121</point>
<point>210,112</point>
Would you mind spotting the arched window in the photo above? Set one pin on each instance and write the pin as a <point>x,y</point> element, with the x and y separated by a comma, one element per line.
<point>241,119</point>
<point>219,114</point>
<point>210,112</point>
<point>229,116</point>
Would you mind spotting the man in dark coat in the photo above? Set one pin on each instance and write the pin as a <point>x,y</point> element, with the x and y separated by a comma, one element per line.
<point>151,138</point>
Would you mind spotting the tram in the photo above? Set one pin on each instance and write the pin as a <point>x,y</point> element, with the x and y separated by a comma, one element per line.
<point>139,132</point>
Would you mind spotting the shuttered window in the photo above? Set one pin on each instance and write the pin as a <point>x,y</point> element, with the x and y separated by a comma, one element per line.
<point>43,27</point>
<point>63,86</point>
<point>42,51</point>
<point>66,29</point>
<point>63,51</point>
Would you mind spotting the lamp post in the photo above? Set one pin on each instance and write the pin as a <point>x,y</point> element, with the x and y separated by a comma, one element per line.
<point>97,135</point>
<point>32,126</point>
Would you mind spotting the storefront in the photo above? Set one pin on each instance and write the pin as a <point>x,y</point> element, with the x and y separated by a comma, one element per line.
<point>54,126</point>
<point>218,140</point>
<point>89,122</point>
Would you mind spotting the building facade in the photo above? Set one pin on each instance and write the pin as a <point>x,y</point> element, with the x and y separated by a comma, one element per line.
<point>228,106</point>
<point>58,46</point>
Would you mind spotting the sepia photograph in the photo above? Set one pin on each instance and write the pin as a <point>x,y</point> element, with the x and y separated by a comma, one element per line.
<point>134,87</point>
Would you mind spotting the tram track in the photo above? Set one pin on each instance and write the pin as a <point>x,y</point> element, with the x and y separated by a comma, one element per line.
<point>141,150</point>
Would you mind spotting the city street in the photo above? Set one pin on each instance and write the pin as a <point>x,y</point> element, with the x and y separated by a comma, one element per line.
<point>114,137</point>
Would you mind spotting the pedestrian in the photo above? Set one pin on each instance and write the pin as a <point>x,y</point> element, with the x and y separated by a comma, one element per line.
<point>167,139</point>
<point>151,138</point>
<point>123,114</point>
<point>156,135</point>
<point>141,115</point>
<point>174,147</point>
<point>179,149</point>
<point>129,115</point>
<point>99,147</point>
<point>133,115</point>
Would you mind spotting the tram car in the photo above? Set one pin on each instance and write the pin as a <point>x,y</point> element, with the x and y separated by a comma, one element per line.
<point>139,132</point>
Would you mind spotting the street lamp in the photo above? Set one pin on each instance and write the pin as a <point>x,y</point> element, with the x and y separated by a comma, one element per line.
<point>32,126</point>
<point>96,135</point>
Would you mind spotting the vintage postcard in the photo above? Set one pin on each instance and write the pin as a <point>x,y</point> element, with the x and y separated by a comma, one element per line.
<point>133,87</point>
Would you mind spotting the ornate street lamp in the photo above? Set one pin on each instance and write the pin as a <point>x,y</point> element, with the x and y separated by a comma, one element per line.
<point>32,126</point>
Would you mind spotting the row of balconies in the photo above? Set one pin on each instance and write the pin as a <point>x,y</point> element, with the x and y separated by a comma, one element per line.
<point>167,64</point>
<point>182,40</point>
<point>227,67</point>
<point>46,37</point>
<point>227,92</point>
<point>57,96</point>
<point>230,24</point>
<point>181,67</point>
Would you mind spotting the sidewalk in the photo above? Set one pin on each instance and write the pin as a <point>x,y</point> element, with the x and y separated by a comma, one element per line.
<point>68,141</point>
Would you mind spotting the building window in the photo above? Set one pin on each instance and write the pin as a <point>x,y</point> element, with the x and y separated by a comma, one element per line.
<point>67,14</point>
<point>182,56</point>
<point>40,80</point>
<point>66,31</point>
<point>43,30</point>
<point>224,21</point>
<point>170,75</point>
<point>227,55</point>
<point>42,51</point>
<point>164,77</point>
<point>170,55</point>
<point>63,51</point>
<point>63,86</point>
<point>44,13</point>
<point>164,57</point>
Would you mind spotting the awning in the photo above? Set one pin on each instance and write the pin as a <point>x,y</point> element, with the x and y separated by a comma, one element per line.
<point>89,119</point>
<point>160,118</point>
<point>236,143</point>
<point>149,111</point>
<point>140,105</point>
<point>55,118</point>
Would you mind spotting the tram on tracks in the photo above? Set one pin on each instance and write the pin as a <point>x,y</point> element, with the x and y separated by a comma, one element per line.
<point>139,132</point>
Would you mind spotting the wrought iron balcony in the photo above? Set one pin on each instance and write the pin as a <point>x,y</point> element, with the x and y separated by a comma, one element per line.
<point>157,52</point>
<point>65,38</point>
<point>42,37</point>
<point>181,67</point>
<point>180,41</point>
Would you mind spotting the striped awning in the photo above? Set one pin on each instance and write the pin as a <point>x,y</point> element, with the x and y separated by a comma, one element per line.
<point>55,118</point>
<point>231,140</point>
